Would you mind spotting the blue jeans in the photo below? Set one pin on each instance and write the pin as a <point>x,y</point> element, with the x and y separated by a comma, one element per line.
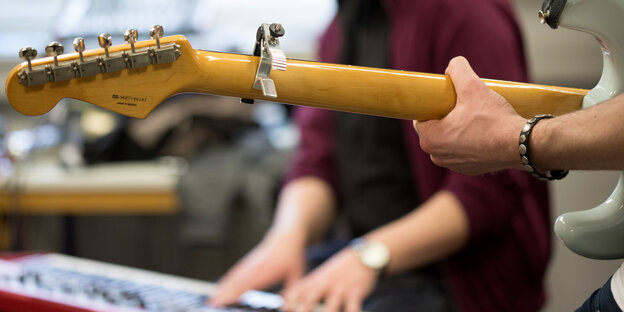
<point>600,301</point>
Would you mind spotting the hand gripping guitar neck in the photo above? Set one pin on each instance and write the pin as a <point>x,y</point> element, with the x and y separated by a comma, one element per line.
<point>598,232</point>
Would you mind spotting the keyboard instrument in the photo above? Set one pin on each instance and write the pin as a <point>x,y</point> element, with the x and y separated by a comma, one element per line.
<point>55,282</point>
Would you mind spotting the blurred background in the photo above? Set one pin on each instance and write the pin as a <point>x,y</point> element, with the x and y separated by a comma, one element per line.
<point>189,190</point>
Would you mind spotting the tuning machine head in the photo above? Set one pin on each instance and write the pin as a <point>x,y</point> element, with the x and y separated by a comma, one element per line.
<point>28,54</point>
<point>276,30</point>
<point>79,46</point>
<point>156,32</point>
<point>131,36</point>
<point>105,40</point>
<point>55,49</point>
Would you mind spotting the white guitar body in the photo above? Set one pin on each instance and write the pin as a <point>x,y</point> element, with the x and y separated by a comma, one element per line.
<point>598,232</point>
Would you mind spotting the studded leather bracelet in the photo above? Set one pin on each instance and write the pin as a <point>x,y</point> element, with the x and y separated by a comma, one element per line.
<point>524,148</point>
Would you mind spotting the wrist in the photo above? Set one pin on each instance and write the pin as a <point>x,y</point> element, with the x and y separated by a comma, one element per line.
<point>514,127</point>
<point>526,145</point>
<point>373,254</point>
<point>543,133</point>
<point>292,234</point>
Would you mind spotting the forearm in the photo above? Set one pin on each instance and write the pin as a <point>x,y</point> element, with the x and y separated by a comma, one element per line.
<point>305,208</point>
<point>436,229</point>
<point>586,139</point>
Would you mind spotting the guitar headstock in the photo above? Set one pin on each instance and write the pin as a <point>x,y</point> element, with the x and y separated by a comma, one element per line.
<point>130,78</point>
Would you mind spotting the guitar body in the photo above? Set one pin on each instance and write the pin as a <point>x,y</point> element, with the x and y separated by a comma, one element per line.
<point>599,232</point>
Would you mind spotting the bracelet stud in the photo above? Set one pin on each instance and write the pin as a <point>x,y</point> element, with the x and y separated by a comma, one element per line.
<point>523,148</point>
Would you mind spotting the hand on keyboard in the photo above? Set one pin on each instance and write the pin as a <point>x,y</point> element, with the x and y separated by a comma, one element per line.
<point>277,259</point>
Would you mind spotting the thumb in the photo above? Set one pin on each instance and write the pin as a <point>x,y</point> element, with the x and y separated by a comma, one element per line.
<point>462,76</point>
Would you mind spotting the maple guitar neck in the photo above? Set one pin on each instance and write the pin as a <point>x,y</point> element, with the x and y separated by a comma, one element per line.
<point>373,91</point>
<point>134,83</point>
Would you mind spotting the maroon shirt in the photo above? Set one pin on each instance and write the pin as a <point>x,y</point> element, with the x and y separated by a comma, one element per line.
<point>502,266</point>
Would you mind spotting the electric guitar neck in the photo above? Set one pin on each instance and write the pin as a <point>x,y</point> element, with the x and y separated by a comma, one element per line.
<point>133,78</point>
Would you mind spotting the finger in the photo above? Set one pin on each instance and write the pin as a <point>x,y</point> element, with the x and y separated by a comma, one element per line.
<point>228,290</point>
<point>354,303</point>
<point>422,126</point>
<point>443,161</point>
<point>237,281</point>
<point>227,295</point>
<point>311,298</point>
<point>224,298</point>
<point>333,301</point>
<point>462,75</point>
<point>304,295</point>
<point>291,297</point>
<point>429,136</point>
<point>435,160</point>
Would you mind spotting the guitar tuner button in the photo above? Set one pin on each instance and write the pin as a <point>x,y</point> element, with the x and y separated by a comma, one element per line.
<point>131,36</point>
<point>543,15</point>
<point>276,30</point>
<point>156,32</point>
<point>79,46</point>
<point>55,49</point>
<point>105,40</point>
<point>28,54</point>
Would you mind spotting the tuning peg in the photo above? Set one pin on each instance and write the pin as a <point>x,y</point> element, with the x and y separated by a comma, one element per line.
<point>55,49</point>
<point>79,46</point>
<point>156,32</point>
<point>276,30</point>
<point>27,54</point>
<point>105,40</point>
<point>131,36</point>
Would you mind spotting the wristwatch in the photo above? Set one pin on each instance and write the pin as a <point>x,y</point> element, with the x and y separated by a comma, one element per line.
<point>373,254</point>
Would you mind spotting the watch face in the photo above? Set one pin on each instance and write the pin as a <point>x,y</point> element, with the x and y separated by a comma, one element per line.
<point>375,255</point>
